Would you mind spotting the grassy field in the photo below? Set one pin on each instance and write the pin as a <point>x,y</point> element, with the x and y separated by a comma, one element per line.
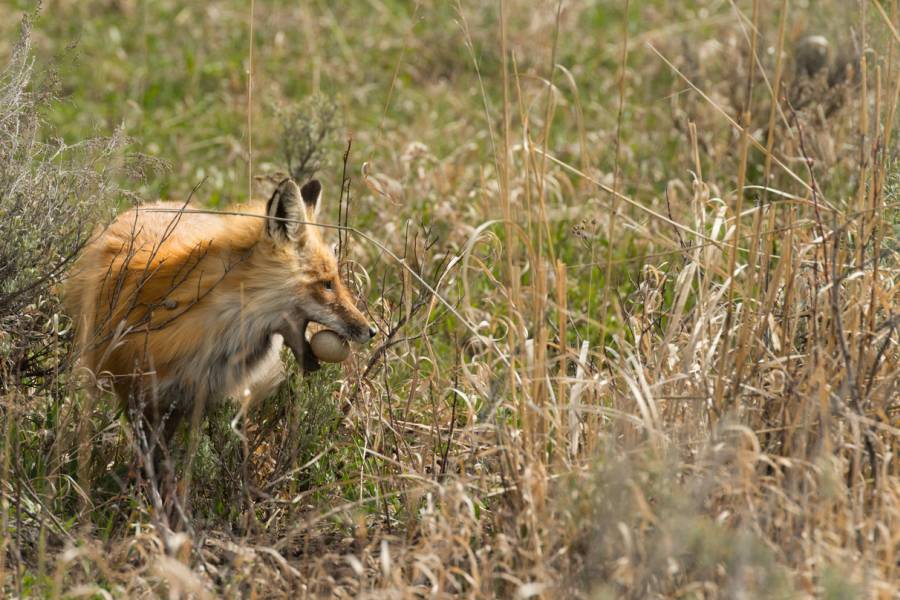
<point>639,330</point>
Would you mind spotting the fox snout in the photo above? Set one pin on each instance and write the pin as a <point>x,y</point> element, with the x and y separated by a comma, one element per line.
<point>353,325</point>
<point>361,333</point>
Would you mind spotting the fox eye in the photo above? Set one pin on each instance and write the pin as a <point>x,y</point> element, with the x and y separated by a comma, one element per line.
<point>328,284</point>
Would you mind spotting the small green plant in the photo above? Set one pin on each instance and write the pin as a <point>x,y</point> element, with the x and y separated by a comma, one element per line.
<point>309,131</point>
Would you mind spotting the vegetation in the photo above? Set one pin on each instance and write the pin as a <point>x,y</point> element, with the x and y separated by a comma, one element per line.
<point>634,267</point>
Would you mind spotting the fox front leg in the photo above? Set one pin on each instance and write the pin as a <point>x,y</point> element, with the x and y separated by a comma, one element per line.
<point>294,334</point>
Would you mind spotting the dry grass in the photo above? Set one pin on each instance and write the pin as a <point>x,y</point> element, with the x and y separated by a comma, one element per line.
<point>597,377</point>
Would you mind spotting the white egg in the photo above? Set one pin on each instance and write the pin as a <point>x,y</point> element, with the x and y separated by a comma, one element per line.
<point>329,346</point>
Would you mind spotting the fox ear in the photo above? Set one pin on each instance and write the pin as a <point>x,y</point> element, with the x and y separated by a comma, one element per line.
<point>311,193</point>
<point>285,213</point>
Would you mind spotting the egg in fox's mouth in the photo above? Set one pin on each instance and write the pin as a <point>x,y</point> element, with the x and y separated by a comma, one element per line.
<point>329,346</point>
<point>322,345</point>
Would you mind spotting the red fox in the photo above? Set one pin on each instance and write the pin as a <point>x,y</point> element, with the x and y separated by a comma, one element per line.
<point>178,309</point>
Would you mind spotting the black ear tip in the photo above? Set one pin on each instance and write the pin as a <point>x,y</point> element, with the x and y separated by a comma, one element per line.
<point>311,190</point>
<point>287,189</point>
<point>285,185</point>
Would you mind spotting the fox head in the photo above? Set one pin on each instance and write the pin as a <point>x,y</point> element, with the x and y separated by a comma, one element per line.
<point>311,285</point>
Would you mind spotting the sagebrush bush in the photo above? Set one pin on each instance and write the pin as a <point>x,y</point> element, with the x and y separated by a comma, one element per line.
<point>52,195</point>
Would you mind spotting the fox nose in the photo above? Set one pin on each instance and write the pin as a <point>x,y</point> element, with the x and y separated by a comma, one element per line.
<point>372,331</point>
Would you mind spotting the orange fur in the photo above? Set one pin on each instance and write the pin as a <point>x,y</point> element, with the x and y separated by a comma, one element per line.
<point>177,308</point>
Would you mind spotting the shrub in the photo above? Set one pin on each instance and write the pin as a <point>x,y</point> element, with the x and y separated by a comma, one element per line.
<point>52,195</point>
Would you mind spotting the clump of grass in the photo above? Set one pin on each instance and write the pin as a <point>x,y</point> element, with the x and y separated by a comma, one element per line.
<point>279,449</point>
<point>660,532</point>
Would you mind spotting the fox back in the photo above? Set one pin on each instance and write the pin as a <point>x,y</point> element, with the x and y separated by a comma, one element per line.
<point>176,308</point>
